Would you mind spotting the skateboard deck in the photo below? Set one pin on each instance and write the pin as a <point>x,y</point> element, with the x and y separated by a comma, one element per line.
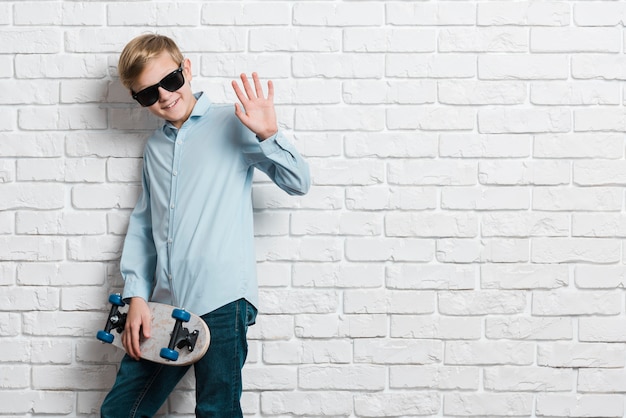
<point>178,337</point>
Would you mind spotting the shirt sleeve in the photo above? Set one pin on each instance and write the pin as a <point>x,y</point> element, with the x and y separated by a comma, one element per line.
<point>281,161</point>
<point>138,260</point>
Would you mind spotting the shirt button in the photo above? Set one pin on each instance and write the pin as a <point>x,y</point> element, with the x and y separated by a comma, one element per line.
<point>179,142</point>
<point>172,206</point>
<point>169,241</point>
<point>175,173</point>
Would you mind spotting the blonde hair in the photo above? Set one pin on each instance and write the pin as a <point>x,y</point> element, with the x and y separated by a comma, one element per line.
<point>139,51</point>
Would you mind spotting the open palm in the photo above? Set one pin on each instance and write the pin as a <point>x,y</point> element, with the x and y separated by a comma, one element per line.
<point>256,111</point>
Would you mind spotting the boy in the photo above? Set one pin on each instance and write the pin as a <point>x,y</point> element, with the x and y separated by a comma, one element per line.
<point>190,237</point>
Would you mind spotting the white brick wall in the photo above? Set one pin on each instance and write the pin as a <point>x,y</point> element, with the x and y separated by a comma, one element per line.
<point>461,252</point>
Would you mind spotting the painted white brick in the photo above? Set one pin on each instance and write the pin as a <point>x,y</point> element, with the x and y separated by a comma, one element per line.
<point>390,144</point>
<point>392,301</point>
<point>515,328</point>
<point>505,120</point>
<point>485,198</point>
<point>578,40</point>
<point>485,146</point>
<point>525,224</point>
<point>524,276</point>
<point>59,223</point>
<point>229,13</point>
<point>338,14</point>
<point>430,65</point>
<point>579,93</point>
<point>397,404</point>
<point>29,92</point>
<point>434,377</point>
<point>153,14</point>
<point>463,92</point>
<point>432,173</point>
<point>598,329</point>
<point>387,249</point>
<point>529,379</point>
<point>514,172</point>
<point>37,401</point>
<point>584,302</point>
<point>105,196</point>
<point>488,404</point>
<point>431,118</point>
<point>430,14</point>
<point>340,377</point>
<point>580,355</point>
<point>400,92</point>
<point>435,327</point>
<point>577,199</point>
<point>334,326</point>
<point>470,251</point>
<point>31,41</point>
<point>603,66</point>
<point>364,172</point>
<point>60,274</point>
<point>579,405</point>
<point>361,275</point>
<point>431,276</point>
<point>398,224</point>
<point>523,67</point>
<point>343,66</point>
<point>600,145</point>
<point>307,403</point>
<point>485,302</point>
<point>553,13</point>
<point>362,118</point>
<point>489,39</point>
<point>571,250</point>
<point>304,39</point>
<point>389,40</point>
<point>600,277</point>
<point>381,198</point>
<point>307,352</point>
<point>23,248</point>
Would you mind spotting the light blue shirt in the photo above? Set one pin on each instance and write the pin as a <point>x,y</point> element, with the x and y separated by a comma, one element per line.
<point>190,240</point>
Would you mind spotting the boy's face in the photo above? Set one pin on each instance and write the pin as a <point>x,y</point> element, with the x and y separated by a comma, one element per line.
<point>173,106</point>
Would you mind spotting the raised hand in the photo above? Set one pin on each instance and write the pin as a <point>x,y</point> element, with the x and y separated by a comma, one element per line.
<point>256,111</point>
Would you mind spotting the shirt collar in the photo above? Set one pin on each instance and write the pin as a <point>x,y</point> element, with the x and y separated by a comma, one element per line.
<point>200,108</point>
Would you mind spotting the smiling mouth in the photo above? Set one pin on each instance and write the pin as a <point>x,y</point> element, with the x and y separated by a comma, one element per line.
<point>171,105</point>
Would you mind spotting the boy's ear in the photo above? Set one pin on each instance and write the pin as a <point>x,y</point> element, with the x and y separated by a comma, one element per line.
<point>187,69</point>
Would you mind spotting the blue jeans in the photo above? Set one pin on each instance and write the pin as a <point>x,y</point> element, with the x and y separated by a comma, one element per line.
<point>141,387</point>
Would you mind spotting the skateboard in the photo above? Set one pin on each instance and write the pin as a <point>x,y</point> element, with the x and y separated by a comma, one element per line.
<point>178,337</point>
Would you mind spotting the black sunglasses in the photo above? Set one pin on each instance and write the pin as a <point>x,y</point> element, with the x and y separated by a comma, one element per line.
<point>171,82</point>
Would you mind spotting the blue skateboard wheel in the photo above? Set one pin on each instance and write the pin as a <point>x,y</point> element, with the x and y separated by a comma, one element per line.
<point>116,299</point>
<point>105,337</point>
<point>181,315</point>
<point>169,354</point>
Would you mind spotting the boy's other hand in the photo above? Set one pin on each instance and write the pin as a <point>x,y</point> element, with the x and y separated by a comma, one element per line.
<point>258,112</point>
<point>137,322</point>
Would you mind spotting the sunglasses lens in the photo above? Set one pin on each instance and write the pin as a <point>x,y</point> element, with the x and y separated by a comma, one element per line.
<point>173,81</point>
<point>150,95</point>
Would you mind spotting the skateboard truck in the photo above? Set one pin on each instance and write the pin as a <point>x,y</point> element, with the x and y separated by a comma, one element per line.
<point>180,337</point>
<point>115,321</point>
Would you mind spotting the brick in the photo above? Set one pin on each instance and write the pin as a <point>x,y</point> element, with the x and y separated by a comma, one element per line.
<point>341,326</point>
<point>494,121</point>
<point>525,224</point>
<point>462,92</point>
<point>105,196</point>
<point>104,145</point>
<point>159,14</point>
<point>432,173</point>
<point>523,67</point>
<point>397,249</point>
<point>434,377</point>
<point>94,248</point>
<point>390,144</point>
<point>579,93</point>
<point>84,170</point>
<point>488,404</point>
<point>600,277</point>
<point>579,405</point>
<point>339,377</point>
<point>430,65</point>
<point>307,249</point>
<point>396,404</point>
<point>572,250</point>
<point>524,13</point>
<point>36,401</point>
<point>430,277</point>
<point>301,39</point>
<point>342,14</point>
<point>397,92</point>
<point>485,302</point>
<point>524,276</point>
<point>600,145</point>
<point>29,92</point>
<point>512,172</point>
<point>579,40</point>
<point>306,403</point>
<point>354,172</point>
<point>382,197</point>
<point>431,225</point>
<point>577,199</point>
<point>431,118</point>
<point>60,274</point>
<point>485,198</point>
<point>30,41</point>
<point>484,146</point>
<point>22,248</point>
<point>529,379</point>
<point>435,328</point>
<point>455,250</point>
<point>601,329</point>
<point>604,66</point>
<point>342,275</point>
<point>389,40</point>
<point>64,378</point>
<point>362,118</point>
<point>307,352</point>
<point>226,13</point>
<point>362,224</point>
<point>35,66</point>
<point>584,302</point>
<point>392,301</point>
<point>580,355</point>
<point>529,329</point>
<point>489,39</point>
<point>418,14</point>
<point>343,66</point>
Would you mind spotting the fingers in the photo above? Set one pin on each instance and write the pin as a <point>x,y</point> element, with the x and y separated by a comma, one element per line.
<point>250,93</point>
<point>138,321</point>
